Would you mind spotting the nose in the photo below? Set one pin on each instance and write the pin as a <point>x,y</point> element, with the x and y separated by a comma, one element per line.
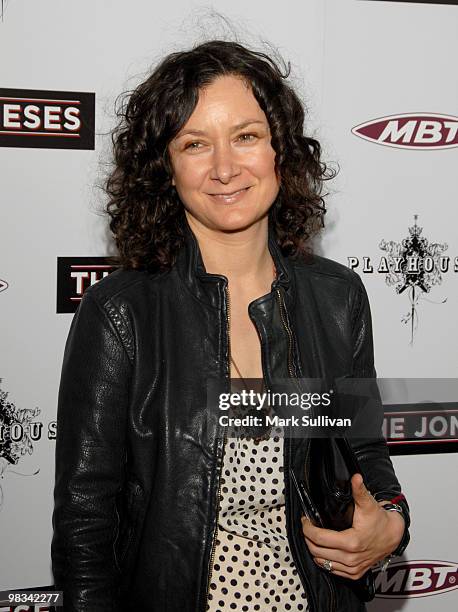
<point>224,166</point>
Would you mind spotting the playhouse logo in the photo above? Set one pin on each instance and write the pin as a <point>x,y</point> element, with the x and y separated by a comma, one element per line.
<point>412,266</point>
<point>19,428</point>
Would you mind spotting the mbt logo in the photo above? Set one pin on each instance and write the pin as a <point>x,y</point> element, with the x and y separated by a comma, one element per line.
<point>406,579</point>
<point>423,131</point>
<point>47,119</point>
<point>75,275</point>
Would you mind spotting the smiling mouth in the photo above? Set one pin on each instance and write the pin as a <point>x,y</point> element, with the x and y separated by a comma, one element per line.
<point>228,197</point>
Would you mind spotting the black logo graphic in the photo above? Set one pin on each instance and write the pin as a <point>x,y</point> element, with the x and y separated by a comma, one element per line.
<point>3,285</point>
<point>18,430</point>
<point>412,266</point>
<point>415,268</point>
<point>75,275</point>
<point>47,119</point>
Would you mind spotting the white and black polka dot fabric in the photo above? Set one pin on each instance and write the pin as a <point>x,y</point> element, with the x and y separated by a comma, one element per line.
<point>253,569</point>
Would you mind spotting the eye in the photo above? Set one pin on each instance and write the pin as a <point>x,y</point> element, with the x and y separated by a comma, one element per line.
<point>252,136</point>
<point>193,146</point>
<point>190,145</point>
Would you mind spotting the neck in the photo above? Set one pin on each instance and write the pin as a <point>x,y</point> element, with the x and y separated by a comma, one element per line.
<point>242,256</point>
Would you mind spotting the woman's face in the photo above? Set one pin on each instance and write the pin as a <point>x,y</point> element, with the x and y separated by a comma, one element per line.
<point>225,147</point>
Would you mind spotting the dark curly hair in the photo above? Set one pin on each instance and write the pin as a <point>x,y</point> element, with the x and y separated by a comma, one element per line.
<point>146,215</point>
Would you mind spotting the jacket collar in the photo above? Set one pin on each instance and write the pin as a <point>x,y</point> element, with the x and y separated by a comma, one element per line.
<point>207,287</point>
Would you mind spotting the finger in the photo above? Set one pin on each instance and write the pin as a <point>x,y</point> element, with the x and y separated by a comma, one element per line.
<point>328,538</point>
<point>340,569</point>
<point>333,554</point>
<point>361,495</point>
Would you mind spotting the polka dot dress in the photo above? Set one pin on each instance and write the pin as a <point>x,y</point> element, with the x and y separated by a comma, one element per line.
<point>253,567</point>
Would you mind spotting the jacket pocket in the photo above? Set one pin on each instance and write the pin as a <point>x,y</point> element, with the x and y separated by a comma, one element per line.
<point>128,507</point>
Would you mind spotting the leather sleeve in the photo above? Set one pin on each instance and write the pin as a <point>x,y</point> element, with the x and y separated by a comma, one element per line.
<point>373,454</point>
<point>90,455</point>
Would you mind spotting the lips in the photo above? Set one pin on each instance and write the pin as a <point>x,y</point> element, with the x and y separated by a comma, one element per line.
<point>229,194</point>
<point>229,198</point>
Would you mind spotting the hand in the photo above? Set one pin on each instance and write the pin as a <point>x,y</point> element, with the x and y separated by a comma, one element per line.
<point>374,534</point>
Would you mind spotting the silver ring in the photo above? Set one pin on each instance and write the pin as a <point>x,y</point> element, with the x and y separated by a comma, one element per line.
<point>327,565</point>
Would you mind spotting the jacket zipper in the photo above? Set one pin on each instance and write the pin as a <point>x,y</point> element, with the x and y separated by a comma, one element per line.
<point>215,534</point>
<point>116,538</point>
<point>288,331</point>
<point>218,496</point>
<point>282,309</point>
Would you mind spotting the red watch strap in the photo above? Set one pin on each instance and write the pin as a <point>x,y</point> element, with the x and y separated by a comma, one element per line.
<point>397,498</point>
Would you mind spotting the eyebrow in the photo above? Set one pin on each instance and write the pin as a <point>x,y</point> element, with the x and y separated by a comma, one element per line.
<point>234,128</point>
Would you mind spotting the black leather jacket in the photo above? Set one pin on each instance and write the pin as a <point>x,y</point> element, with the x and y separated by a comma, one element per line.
<point>137,458</point>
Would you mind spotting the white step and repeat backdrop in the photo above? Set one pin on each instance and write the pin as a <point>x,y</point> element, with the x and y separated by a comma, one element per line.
<point>379,81</point>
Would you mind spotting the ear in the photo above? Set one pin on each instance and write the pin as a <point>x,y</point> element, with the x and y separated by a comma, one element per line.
<point>173,181</point>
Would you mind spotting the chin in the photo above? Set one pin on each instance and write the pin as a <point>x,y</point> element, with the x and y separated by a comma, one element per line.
<point>236,221</point>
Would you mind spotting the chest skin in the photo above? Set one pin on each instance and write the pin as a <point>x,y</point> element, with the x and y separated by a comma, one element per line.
<point>245,346</point>
<point>244,337</point>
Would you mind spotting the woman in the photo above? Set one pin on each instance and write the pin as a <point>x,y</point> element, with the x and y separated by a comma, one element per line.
<point>214,195</point>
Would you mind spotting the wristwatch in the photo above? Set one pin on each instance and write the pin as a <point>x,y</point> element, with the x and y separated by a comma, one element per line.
<point>392,507</point>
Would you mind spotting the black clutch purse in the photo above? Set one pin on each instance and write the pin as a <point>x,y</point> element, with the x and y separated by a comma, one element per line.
<point>326,497</point>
